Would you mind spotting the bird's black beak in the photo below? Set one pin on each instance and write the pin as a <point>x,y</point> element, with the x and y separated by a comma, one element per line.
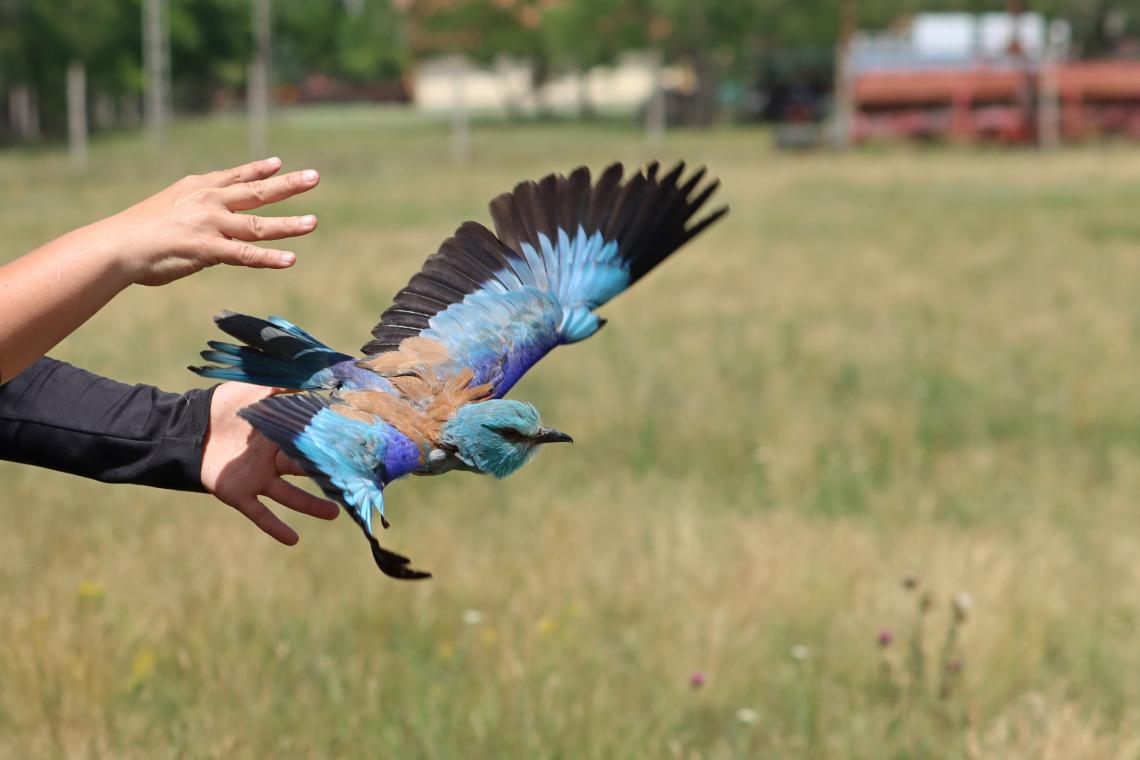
<point>550,435</point>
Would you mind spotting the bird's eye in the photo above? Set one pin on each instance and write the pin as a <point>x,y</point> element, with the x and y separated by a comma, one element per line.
<point>509,433</point>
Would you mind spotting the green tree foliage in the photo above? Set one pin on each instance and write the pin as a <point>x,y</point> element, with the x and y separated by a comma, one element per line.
<point>354,42</point>
<point>586,33</point>
<point>39,39</point>
<point>363,41</point>
<point>210,47</point>
<point>480,29</point>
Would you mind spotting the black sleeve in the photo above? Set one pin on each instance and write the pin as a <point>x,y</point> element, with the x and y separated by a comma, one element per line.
<point>57,416</point>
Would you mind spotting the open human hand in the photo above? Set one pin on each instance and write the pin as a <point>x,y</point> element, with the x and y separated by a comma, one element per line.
<point>193,224</point>
<point>239,465</point>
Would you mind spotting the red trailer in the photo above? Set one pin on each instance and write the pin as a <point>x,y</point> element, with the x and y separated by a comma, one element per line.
<point>1099,97</point>
<point>996,103</point>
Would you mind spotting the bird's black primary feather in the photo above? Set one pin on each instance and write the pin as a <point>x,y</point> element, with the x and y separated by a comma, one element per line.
<point>648,217</point>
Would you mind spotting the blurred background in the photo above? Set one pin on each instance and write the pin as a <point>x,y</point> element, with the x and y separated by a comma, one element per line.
<point>857,471</point>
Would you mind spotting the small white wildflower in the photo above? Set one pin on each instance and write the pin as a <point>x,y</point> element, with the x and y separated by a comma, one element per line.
<point>747,715</point>
<point>800,652</point>
<point>962,604</point>
<point>472,617</point>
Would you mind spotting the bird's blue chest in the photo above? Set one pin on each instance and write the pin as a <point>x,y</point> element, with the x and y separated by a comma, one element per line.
<point>401,457</point>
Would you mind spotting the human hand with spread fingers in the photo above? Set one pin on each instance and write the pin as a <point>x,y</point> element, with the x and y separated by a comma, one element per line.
<point>195,223</point>
<point>64,418</point>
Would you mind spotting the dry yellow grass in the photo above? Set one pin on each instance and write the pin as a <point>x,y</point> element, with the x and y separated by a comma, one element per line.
<point>880,363</point>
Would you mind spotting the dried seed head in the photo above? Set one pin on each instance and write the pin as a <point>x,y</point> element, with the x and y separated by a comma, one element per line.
<point>910,582</point>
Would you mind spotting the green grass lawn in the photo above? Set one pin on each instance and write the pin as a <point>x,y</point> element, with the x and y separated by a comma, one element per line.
<point>884,363</point>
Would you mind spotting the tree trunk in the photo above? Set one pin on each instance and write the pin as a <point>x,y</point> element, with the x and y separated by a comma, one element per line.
<point>102,110</point>
<point>24,108</point>
<point>156,62</point>
<point>22,115</point>
<point>259,79</point>
<point>77,114</point>
<point>655,108</point>
<point>540,75</point>
<point>586,110</point>
<point>130,110</point>
<point>703,109</point>
<point>460,123</point>
<point>704,102</point>
<point>514,101</point>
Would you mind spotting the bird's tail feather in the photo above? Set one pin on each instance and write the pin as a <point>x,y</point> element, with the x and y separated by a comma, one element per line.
<point>276,353</point>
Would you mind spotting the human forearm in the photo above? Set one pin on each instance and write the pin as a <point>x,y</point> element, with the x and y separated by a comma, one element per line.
<point>63,418</point>
<point>48,293</point>
<point>67,419</point>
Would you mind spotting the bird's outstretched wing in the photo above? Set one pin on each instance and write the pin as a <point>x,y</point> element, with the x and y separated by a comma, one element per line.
<point>352,459</point>
<point>496,304</point>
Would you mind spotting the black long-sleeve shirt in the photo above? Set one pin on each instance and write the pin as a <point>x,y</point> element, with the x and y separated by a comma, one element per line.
<point>57,416</point>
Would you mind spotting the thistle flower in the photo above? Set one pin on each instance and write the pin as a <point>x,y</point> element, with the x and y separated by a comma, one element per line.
<point>885,637</point>
<point>697,680</point>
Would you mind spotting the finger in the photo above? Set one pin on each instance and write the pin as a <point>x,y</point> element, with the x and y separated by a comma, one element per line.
<point>286,466</point>
<point>240,254</point>
<point>299,500</point>
<point>250,227</point>
<point>254,170</point>
<point>267,521</point>
<point>250,195</point>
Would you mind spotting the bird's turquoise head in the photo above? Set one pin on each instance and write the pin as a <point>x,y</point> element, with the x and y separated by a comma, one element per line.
<point>498,436</point>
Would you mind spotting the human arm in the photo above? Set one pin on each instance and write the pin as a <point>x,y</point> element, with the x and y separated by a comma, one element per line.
<point>48,293</point>
<point>57,416</point>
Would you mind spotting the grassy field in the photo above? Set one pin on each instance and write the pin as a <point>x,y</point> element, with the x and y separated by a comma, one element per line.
<point>886,364</point>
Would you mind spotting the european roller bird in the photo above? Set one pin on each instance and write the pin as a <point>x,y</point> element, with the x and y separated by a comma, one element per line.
<point>427,396</point>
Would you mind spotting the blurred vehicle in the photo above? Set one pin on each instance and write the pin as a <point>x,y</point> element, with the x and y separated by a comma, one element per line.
<point>994,76</point>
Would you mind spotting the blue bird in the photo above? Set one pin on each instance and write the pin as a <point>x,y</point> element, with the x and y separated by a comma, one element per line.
<point>427,396</point>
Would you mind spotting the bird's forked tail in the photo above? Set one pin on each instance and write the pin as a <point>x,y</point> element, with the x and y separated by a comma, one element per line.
<point>276,353</point>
